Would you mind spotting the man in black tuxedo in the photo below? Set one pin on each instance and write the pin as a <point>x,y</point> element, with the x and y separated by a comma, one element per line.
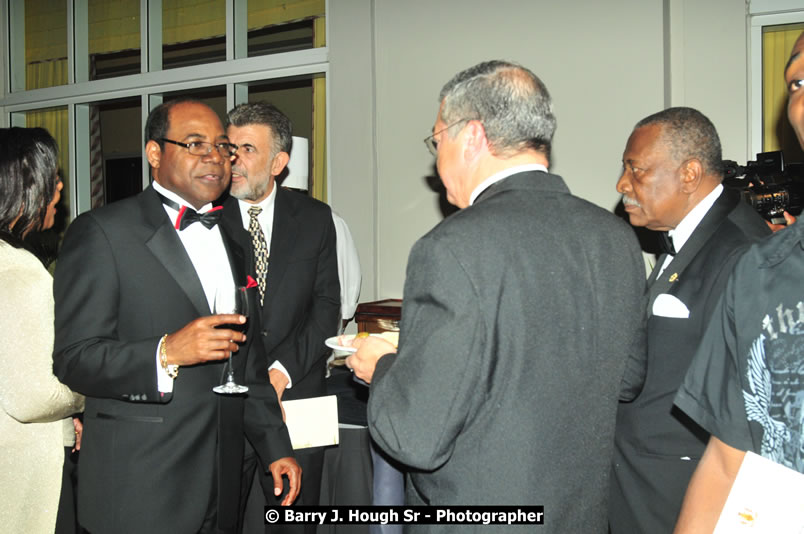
<point>520,312</point>
<point>293,237</point>
<point>671,182</point>
<point>134,287</point>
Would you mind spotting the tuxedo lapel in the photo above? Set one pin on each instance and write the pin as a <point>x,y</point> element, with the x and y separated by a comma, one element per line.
<point>169,251</point>
<point>237,257</point>
<point>283,236</point>
<point>674,272</point>
<point>654,273</point>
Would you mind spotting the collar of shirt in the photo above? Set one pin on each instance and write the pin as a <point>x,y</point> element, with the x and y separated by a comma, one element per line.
<point>205,248</point>
<point>494,178</point>
<point>266,216</point>
<point>180,201</point>
<point>682,232</point>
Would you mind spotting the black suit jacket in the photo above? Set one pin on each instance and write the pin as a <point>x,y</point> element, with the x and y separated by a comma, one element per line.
<point>520,312</point>
<point>301,308</point>
<point>148,460</point>
<point>656,446</point>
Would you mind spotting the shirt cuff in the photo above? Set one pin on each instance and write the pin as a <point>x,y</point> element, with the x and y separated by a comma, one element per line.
<point>163,381</point>
<point>278,366</point>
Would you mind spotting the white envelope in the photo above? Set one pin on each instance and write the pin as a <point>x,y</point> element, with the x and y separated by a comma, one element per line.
<point>764,499</point>
<point>312,422</point>
<point>669,306</point>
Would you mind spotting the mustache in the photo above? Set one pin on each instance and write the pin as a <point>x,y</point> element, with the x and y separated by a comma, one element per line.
<point>239,170</point>
<point>628,201</point>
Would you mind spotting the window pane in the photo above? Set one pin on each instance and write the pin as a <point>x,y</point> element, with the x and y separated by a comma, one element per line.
<point>214,97</point>
<point>296,98</point>
<point>193,32</point>
<point>114,38</point>
<point>293,97</point>
<point>45,42</point>
<point>777,41</point>
<point>115,152</point>
<point>283,25</point>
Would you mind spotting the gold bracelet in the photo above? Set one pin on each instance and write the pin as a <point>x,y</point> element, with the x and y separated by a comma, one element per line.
<point>171,370</point>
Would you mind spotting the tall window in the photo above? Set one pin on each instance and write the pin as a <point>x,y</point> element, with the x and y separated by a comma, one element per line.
<point>777,134</point>
<point>771,37</point>
<point>91,70</point>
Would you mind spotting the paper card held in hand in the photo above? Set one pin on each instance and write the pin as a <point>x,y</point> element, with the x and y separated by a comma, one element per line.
<point>312,422</point>
<point>766,498</point>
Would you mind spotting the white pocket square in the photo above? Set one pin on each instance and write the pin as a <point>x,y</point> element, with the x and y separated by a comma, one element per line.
<point>669,306</point>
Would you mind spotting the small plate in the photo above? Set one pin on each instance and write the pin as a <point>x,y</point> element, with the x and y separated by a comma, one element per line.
<point>342,343</point>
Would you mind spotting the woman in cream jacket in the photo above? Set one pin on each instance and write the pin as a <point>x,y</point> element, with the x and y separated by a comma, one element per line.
<point>35,417</point>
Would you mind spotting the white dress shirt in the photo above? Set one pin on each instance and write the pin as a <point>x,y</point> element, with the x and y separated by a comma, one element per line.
<point>210,260</point>
<point>683,230</point>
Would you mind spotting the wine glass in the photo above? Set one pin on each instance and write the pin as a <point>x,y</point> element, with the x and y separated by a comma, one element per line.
<point>231,300</point>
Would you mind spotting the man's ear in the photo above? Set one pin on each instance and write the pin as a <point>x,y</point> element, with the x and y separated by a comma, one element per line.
<point>153,153</point>
<point>279,163</point>
<point>692,173</point>
<point>474,135</point>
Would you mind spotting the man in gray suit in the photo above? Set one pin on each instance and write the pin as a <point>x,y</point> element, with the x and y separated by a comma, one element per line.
<point>519,314</point>
<point>671,178</point>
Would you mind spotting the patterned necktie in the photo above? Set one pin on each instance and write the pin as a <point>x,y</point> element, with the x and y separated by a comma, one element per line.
<point>260,249</point>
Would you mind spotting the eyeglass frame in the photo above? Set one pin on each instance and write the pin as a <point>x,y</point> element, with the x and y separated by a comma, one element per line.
<point>430,141</point>
<point>232,148</point>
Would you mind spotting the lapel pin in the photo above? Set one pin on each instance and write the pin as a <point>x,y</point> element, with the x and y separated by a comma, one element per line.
<point>673,277</point>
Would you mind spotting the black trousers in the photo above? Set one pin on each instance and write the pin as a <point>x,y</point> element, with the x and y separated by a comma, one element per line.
<point>252,500</point>
<point>67,518</point>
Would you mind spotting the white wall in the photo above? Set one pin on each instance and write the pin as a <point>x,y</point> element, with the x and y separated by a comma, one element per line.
<point>603,63</point>
<point>713,68</point>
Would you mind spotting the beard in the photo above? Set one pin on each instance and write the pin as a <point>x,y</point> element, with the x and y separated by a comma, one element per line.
<point>250,190</point>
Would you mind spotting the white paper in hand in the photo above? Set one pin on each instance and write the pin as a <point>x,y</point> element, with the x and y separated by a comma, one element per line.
<point>312,422</point>
<point>766,498</point>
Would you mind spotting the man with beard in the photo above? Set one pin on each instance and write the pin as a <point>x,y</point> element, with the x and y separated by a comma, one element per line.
<point>293,238</point>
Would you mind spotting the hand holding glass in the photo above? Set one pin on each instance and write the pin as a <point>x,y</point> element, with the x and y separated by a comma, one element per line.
<point>231,300</point>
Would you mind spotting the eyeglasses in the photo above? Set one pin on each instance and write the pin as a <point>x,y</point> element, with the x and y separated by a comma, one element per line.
<point>430,141</point>
<point>202,148</point>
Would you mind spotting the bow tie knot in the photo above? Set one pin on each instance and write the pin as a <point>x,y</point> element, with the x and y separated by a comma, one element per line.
<point>188,216</point>
<point>666,241</point>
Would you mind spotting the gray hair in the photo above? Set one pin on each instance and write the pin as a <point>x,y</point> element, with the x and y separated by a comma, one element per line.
<point>267,115</point>
<point>509,100</point>
<point>687,133</point>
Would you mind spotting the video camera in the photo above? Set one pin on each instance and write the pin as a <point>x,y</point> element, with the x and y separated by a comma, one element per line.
<point>769,185</point>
